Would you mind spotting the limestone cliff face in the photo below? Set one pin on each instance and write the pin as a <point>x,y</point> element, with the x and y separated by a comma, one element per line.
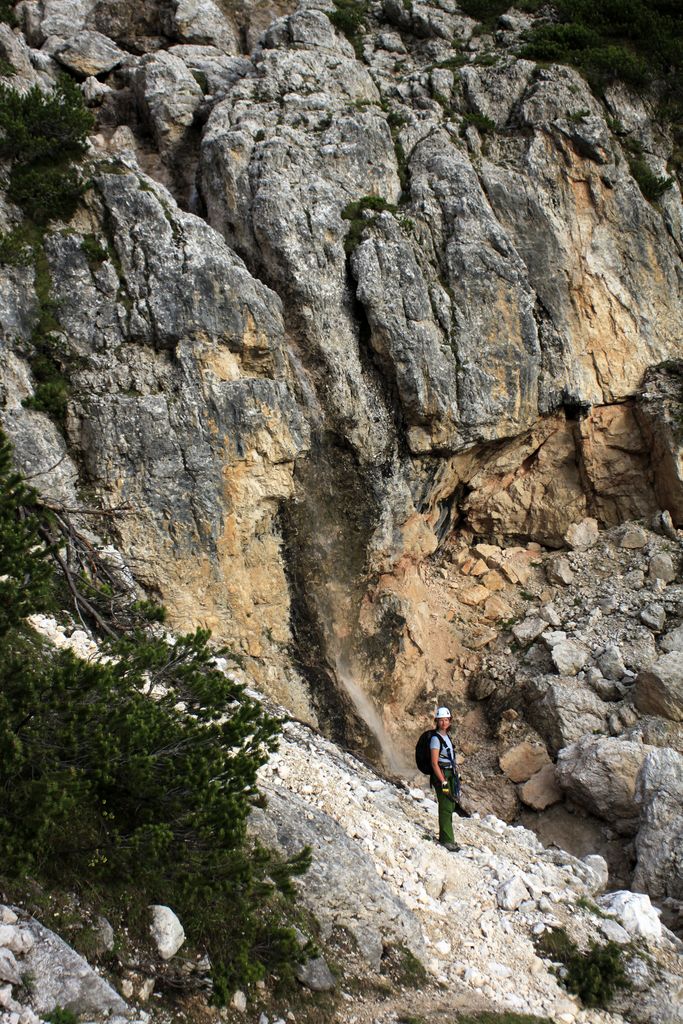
<point>337,322</point>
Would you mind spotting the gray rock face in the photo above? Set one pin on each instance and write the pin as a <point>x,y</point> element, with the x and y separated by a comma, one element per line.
<point>66,979</point>
<point>659,844</point>
<point>343,891</point>
<point>659,689</point>
<point>600,774</point>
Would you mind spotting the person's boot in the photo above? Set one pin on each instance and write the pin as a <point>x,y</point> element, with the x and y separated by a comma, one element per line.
<point>451,847</point>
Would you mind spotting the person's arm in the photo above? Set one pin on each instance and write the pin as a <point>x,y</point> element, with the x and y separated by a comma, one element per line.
<point>435,765</point>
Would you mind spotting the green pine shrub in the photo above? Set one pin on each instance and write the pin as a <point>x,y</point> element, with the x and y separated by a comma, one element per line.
<point>134,774</point>
<point>7,12</point>
<point>483,124</point>
<point>44,135</point>
<point>348,17</point>
<point>636,41</point>
<point>353,212</point>
<point>652,185</point>
<point>595,975</point>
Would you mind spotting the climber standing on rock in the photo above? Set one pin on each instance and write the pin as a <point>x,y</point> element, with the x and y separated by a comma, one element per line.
<point>444,776</point>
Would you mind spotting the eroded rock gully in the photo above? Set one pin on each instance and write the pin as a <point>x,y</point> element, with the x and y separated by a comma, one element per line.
<point>353,368</point>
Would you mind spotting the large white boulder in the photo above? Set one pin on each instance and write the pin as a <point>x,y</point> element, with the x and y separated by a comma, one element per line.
<point>635,912</point>
<point>600,773</point>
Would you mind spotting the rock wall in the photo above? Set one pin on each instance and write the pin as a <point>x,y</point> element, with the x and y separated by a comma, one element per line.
<point>356,309</point>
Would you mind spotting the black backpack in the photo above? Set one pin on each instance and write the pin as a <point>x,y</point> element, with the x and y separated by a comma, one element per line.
<point>423,755</point>
<point>423,758</point>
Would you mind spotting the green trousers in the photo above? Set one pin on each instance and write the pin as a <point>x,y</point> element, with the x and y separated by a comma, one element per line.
<point>446,805</point>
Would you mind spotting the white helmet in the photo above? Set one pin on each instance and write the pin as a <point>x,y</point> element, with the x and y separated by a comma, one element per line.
<point>442,713</point>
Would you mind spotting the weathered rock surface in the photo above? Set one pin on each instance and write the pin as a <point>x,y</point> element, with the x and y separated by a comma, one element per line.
<point>659,689</point>
<point>600,774</point>
<point>66,979</point>
<point>659,870</point>
<point>343,891</point>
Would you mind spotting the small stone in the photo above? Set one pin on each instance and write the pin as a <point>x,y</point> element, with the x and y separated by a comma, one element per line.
<point>582,536</point>
<point>662,568</point>
<point>550,614</point>
<point>473,595</point>
<point>497,608</point>
<point>5,995</point>
<point>559,571</point>
<point>9,970</point>
<point>654,617</point>
<point>614,932</point>
<point>239,1001</point>
<point>673,641</point>
<point>633,537</point>
<point>145,990</point>
<point>7,916</point>
<point>615,725</point>
<point>598,865</point>
<point>608,604</point>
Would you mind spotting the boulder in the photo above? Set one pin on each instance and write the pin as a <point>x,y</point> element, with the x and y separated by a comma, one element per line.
<point>659,689</point>
<point>569,657</point>
<point>203,22</point>
<point>567,712</point>
<point>659,843</point>
<point>167,931</point>
<point>600,774</point>
<point>662,567</point>
<point>511,893</point>
<point>611,663</point>
<point>169,96</point>
<point>89,53</point>
<point>523,760</point>
<point>636,913</point>
<point>542,789</point>
<point>673,640</point>
<point>315,975</point>
<point>66,979</point>
<point>654,617</point>
<point>582,536</point>
<point>341,890</point>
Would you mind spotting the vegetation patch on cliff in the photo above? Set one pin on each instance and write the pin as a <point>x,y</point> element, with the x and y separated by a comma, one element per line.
<point>636,41</point>
<point>595,975</point>
<point>44,135</point>
<point>134,771</point>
